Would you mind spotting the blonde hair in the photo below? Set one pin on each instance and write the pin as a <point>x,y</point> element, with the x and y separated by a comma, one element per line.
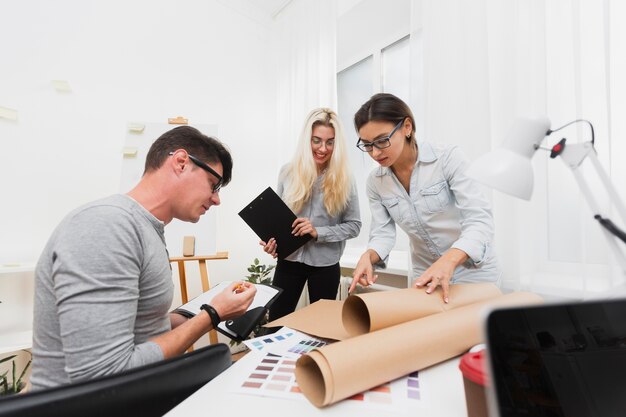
<point>302,171</point>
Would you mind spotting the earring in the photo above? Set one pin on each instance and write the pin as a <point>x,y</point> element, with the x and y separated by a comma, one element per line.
<point>408,136</point>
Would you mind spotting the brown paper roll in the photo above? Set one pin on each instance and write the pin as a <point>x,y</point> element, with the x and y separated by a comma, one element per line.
<point>368,312</point>
<point>340,370</point>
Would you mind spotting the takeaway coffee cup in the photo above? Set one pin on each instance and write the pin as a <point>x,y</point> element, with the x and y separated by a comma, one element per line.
<point>474,379</point>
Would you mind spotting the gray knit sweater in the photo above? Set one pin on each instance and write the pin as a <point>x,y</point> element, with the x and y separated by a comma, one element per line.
<point>103,287</point>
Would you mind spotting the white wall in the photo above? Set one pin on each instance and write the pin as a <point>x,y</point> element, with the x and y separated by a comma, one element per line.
<point>486,62</point>
<point>368,25</point>
<point>150,60</point>
<point>126,61</point>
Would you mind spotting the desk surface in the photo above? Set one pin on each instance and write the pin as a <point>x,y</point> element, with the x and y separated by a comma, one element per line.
<point>16,307</point>
<point>397,264</point>
<point>6,269</point>
<point>446,397</point>
<point>15,340</point>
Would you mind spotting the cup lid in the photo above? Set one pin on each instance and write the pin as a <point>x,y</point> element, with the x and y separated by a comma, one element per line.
<point>473,367</point>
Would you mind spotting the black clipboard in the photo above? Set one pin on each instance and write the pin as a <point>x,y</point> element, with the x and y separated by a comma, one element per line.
<point>269,216</point>
<point>238,328</point>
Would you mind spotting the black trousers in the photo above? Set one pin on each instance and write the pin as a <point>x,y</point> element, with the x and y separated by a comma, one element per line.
<point>322,283</point>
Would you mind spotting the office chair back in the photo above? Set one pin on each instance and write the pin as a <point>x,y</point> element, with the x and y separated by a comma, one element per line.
<point>150,390</point>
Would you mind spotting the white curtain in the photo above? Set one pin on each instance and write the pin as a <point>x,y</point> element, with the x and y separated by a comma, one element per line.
<point>486,62</point>
<point>304,51</point>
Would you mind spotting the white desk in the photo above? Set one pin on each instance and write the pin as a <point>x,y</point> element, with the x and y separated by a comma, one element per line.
<point>397,264</point>
<point>16,340</point>
<point>394,276</point>
<point>446,397</point>
<point>16,307</point>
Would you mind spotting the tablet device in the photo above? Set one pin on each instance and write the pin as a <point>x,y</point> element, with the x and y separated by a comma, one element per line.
<point>269,216</point>
<point>557,360</point>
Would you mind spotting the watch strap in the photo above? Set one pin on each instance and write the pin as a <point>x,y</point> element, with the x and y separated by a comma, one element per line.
<point>215,318</point>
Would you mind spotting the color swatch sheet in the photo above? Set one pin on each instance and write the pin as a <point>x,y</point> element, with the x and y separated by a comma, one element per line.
<point>262,343</point>
<point>286,342</point>
<point>272,374</point>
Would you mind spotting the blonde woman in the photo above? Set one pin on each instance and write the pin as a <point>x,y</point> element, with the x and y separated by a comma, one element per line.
<point>318,187</point>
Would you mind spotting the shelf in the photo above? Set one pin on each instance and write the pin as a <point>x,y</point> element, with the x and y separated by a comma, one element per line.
<point>16,268</point>
<point>14,341</point>
<point>16,307</point>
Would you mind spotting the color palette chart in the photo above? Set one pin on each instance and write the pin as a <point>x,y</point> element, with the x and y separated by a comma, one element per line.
<point>270,372</point>
<point>400,395</point>
<point>305,346</point>
<point>298,344</point>
<point>272,376</point>
<point>263,342</point>
<point>413,386</point>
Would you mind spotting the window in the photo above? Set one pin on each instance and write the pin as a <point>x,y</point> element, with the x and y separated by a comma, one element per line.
<point>395,69</point>
<point>385,70</point>
<point>354,87</point>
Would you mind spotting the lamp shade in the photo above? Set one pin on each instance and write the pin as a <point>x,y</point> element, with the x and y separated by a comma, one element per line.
<point>508,169</point>
<point>505,171</point>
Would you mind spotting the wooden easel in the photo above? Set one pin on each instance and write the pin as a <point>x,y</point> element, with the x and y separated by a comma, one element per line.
<point>204,278</point>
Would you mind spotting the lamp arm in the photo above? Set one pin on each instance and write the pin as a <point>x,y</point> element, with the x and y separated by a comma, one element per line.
<point>593,136</point>
<point>611,227</point>
<point>619,204</point>
<point>573,155</point>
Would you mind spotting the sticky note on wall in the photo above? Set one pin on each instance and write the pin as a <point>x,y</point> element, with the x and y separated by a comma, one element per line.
<point>61,86</point>
<point>136,127</point>
<point>7,113</point>
<point>130,152</point>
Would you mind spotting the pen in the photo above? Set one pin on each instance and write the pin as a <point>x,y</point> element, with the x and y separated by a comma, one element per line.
<point>239,288</point>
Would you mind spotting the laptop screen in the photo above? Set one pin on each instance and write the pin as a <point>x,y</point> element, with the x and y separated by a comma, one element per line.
<point>558,360</point>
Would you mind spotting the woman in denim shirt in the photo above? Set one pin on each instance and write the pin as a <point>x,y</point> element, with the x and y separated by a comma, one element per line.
<point>318,187</point>
<point>422,188</point>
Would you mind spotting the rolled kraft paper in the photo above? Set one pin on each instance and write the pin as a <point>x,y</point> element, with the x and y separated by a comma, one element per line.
<point>368,312</point>
<point>340,370</point>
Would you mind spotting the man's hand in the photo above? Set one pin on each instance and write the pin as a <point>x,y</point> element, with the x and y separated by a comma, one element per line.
<point>234,300</point>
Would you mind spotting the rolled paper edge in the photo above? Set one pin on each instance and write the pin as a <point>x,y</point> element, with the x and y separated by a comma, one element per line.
<point>318,383</point>
<point>355,316</point>
<point>369,312</point>
<point>315,379</point>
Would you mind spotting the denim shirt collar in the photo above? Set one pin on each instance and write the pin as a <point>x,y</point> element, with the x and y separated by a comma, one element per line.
<point>425,154</point>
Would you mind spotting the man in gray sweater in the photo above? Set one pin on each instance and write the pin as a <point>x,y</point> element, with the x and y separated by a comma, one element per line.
<point>103,284</point>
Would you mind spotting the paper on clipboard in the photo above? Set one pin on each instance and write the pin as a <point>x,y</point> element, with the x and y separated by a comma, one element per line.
<point>270,217</point>
<point>264,297</point>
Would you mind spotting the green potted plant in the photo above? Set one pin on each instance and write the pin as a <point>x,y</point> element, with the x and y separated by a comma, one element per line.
<point>258,274</point>
<point>9,384</point>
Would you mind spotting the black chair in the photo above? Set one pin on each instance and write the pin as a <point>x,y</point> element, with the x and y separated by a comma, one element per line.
<point>150,390</point>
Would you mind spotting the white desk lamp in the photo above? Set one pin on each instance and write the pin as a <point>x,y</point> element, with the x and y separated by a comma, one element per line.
<point>508,169</point>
